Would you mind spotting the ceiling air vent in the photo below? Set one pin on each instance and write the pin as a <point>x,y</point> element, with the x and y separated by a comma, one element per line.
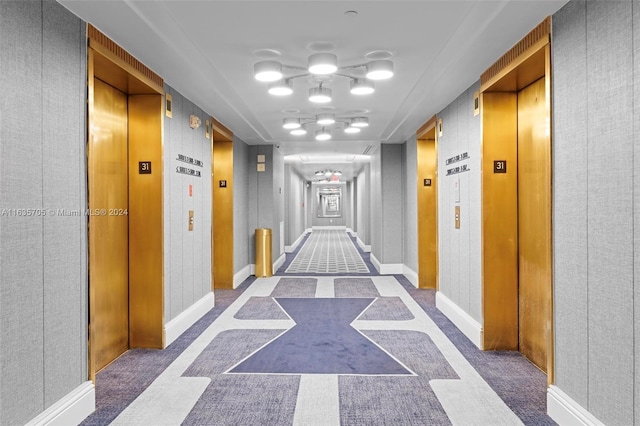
<point>367,150</point>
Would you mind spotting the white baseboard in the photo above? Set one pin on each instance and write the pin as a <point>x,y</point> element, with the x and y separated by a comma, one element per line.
<point>71,409</point>
<point>174,328</point>
<point>241,275</point>
<point>279,262</point>
<point>253,268</point>
<point>565,411</point>
<point>411,275</point>
<point>329,227</point>
<point>465,323</point>
<point>350,231</point>
<point>365,248</point>
<point>386,268</point>
<point>296,243</point>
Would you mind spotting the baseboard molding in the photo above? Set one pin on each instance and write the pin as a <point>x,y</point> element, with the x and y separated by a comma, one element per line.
<point>241,275</point>
<point>386,268</point>
<point>465,323</point>
<point>411,275</point>
<point>279,262</point>
<point>174,328</point>
<point>72,409</point>
<point>329,227</point>
<point>365,248</point>
<point>296,243</point>
<point>352,233</point>
<point>565,411</point>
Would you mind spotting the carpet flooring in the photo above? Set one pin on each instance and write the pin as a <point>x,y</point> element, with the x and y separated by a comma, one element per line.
<point>327,252</point>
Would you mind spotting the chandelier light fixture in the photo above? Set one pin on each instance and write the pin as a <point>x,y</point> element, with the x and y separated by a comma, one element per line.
<point>322,67</point>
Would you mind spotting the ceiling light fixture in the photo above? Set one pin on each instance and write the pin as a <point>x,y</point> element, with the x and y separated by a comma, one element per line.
<point>323,135</point>
<point>325,119</point>
<point>291,123</point>
<point>281,87</point>
<point>323,63</point>
<point>268,71</point>
<point>360,122</point>
<point>362,86</point>
<point>351,129</point>
<point>380,70</point>
<point>300,131</point>
<point>320,95</point>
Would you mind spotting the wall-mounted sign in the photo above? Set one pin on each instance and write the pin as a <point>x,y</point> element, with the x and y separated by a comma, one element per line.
<point>460,169</point>
<point>261,167</point>
<point>144,167</point>
<point>189,160</point>
<point>223,184</point>
<point>500,166</point>
<point>187,171</point>
<point>427,182</point>
<point>455,159</point>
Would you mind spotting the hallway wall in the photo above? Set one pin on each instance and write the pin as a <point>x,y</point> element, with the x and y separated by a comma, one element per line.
<point>266,198</point>
<point>295,210</point>
<point>460,250</point>
<point>242,234</point>
<point>363,206</point>
<point>43,256</point>
<point>410,203</point>
<point>596,210</point>
<point>187,254</point>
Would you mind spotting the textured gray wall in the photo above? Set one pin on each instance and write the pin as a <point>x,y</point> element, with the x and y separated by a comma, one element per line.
<point>295,188</point>
<point>266,198</point>
<point>187,254</point>
<point>392,204</point>
<point>375,204</point>
<point>241,233</point>
<point>363,205</point>
<point>43,263</point>
<point>410,197</point>
<point>595,142</point>
<point>460,250</point>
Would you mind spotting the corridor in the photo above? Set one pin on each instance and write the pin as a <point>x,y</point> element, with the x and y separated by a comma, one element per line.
<point>324,349</point>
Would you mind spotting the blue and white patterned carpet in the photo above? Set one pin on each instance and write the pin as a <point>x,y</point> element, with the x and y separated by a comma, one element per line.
<point>327,252</point>
<point>321,351</point>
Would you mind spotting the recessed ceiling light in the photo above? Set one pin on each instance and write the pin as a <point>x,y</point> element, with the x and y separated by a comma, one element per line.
<point>351,14</point>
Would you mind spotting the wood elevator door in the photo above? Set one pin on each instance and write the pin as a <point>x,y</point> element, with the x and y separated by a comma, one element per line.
<point>108,233</point>
<point>534,223</point>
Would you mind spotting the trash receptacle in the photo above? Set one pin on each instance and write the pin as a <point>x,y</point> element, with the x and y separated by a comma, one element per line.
<point>264,265</point>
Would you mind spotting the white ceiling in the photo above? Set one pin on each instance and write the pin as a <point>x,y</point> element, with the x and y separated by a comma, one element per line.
<point>206,50</point>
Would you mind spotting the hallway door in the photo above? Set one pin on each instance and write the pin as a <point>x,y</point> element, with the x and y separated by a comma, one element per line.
<point>427,210</point>
<point>534,218</point>
<point>108,234</point>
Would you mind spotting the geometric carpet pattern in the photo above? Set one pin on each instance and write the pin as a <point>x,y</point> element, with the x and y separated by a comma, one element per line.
<point>328,252</point>
<point>407,372</point>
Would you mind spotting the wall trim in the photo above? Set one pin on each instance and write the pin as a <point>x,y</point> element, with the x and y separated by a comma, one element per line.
<point>352,232</point>
<point>174,328</point>
<point>71,409</point>
<point>241,275</point>
<point>411,275</point>
<point>465,323</point>
<point>386,268</point>
<point>565,411</point>
<point>279,262</point>
<point>296,243</point>
<point>329,227</point>
<point>364,247</point>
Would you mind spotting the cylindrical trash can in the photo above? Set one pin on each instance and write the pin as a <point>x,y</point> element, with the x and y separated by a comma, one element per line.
<point>264,265</point>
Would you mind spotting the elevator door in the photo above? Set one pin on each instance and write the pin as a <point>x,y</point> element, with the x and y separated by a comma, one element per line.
<point>534,219</point>
<point>427,217</point>
<point>108,233</point>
